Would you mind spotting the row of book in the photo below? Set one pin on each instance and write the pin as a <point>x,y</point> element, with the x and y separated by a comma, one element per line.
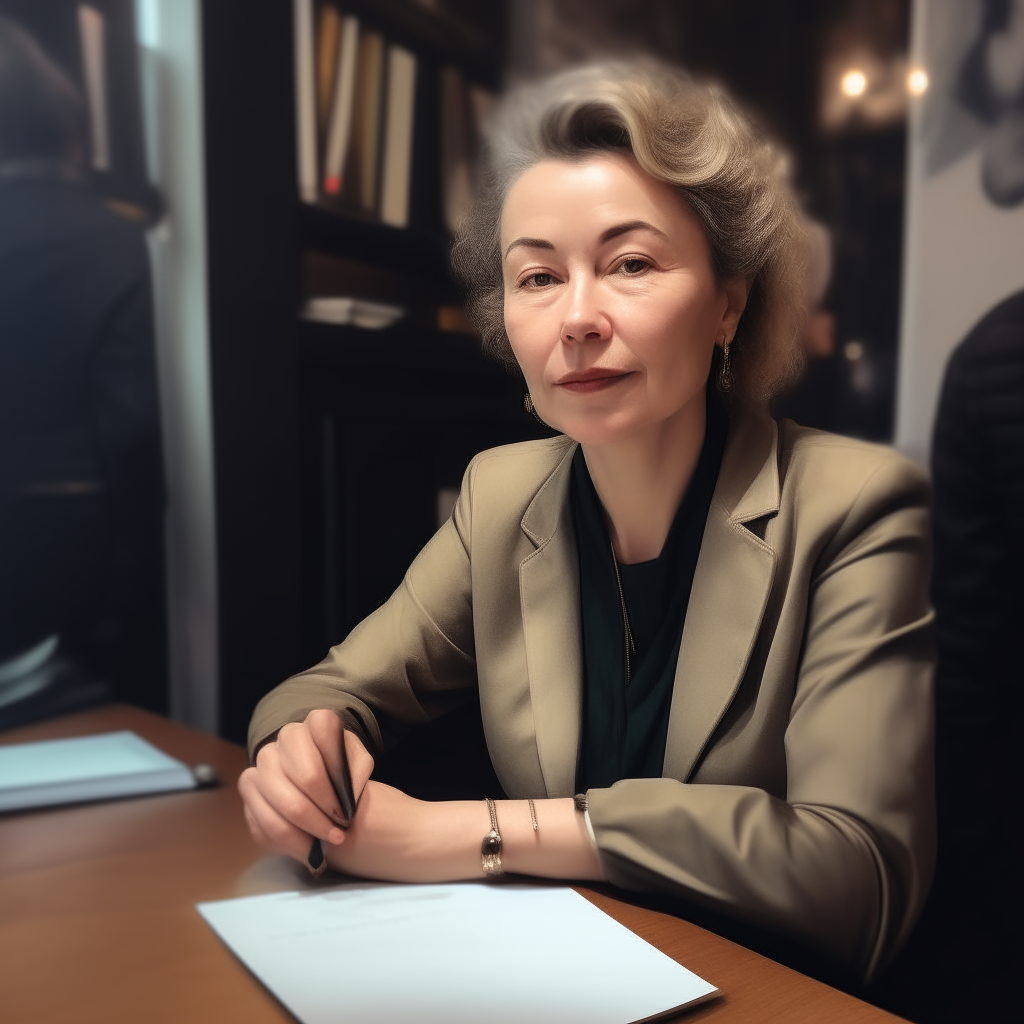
<point>355,115</point>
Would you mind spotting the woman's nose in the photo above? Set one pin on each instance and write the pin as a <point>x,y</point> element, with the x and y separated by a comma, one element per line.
<point>584,320</point>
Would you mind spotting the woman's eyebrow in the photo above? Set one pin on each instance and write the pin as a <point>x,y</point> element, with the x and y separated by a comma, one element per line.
<point>606,236</point>
<point>528,243</point>
<point>630,225</point>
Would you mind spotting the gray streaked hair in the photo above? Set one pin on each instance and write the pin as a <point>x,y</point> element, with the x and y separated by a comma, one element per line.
<point>685,133</point>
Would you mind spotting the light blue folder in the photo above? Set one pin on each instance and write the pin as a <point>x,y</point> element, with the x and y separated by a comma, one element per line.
<point>111,764</point>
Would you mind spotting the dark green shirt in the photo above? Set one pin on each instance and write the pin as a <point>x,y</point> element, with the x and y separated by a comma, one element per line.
<point>625,725</point>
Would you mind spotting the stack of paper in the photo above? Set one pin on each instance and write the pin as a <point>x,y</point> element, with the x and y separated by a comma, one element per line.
<point>369,953</point>
<point>112,764</point>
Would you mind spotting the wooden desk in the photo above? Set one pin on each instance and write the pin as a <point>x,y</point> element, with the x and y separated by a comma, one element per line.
<point>97,918</point>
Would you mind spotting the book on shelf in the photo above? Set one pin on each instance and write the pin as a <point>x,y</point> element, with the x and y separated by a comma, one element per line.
<point>339,123</point>
<point>305,100</point>
<point>356,96</point>
<point>464,112</point>
<point>368,102</point>
<point>456,151</point>
<point>396,166</point>
<point>328,35</point>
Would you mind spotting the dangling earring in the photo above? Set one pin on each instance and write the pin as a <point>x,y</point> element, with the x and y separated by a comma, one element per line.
<point>725,379</point>
<point>530,407</point>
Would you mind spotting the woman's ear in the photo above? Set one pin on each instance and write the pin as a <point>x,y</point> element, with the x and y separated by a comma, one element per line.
<point>735,292</point>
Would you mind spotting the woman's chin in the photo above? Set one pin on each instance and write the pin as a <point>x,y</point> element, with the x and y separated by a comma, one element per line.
<point>602,429</point>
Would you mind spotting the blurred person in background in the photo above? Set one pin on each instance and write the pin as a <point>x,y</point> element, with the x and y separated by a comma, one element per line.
<point>978,472</point>
<point>81,479</point>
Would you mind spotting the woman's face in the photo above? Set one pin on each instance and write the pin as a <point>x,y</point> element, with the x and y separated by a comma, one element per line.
<point>611,304</point>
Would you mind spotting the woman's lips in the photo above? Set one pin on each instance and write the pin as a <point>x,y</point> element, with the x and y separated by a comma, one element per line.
<point>592,380</point>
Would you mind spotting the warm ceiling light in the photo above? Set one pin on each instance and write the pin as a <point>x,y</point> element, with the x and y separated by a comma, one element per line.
<point>917,82</point>
<point>854,83</point>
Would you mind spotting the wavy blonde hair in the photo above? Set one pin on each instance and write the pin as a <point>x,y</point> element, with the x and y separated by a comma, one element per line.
<point>682,132</point>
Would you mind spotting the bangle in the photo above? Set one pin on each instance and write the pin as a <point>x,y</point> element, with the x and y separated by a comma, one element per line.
<point>490,848</point>
<point>533,815</point>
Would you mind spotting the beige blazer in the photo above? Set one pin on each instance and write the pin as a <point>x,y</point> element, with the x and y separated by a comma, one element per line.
<point>797,791</point>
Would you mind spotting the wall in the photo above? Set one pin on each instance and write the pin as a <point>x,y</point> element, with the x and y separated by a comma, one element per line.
<point>171,67</point>
<point>964,247</point>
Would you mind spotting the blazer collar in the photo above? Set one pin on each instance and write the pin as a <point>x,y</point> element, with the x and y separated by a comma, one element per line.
<point>730,589</point>
<point>748,482</point>
<point>549,589</point>
<point>747,488</point>
<point>731,586</point>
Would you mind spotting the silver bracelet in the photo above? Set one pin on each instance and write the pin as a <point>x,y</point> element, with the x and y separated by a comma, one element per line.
<point>490,848</point>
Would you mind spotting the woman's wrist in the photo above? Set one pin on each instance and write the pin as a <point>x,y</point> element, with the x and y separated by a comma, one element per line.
<point>560,847</point>
<point>450,834</point>
<point>399,838</point>
<point>449,838</point>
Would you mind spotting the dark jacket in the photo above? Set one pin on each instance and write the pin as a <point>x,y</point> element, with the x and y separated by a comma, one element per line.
<point>978,469</point>
<point>81,481</point>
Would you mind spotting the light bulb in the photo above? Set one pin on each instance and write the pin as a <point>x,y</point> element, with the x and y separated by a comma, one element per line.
<point>917,81</point>
<point>854,82</point>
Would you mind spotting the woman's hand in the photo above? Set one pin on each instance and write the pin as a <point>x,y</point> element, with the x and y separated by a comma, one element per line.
<point>288,796</point>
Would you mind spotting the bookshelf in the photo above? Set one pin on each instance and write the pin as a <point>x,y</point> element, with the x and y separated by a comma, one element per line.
<point>425,254</point>
<point>334,445</point>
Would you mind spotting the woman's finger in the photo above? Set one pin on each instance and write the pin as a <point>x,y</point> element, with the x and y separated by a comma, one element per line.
<point>254,827</point>
<point>271,831</point>
<point>328,733</point>
<point>360,762</point>
<point>292,803</point>
<point>302,763</point>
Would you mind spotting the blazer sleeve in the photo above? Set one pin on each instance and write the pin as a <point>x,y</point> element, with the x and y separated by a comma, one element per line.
<point>844,862</point>
<point>408,663</point>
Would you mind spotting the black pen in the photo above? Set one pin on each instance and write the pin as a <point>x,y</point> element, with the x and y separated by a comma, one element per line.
<point>341,782</point>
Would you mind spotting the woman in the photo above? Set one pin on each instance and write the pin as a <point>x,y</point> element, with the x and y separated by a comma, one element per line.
<point>711,627</point>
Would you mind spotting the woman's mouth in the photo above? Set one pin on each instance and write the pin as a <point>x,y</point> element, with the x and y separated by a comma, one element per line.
<point>596,379</point>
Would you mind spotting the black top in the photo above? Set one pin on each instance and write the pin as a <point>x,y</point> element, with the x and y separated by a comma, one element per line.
<point>624,727</point>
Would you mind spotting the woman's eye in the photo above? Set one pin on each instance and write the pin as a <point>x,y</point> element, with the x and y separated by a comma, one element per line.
<point>539,280</point>
<point>634,266</point>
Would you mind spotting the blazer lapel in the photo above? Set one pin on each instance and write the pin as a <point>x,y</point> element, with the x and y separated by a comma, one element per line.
<point>549,588</point>
<point>731,586</point>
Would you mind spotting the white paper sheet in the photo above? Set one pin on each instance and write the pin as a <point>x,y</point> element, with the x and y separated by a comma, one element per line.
<point>369,953</point>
